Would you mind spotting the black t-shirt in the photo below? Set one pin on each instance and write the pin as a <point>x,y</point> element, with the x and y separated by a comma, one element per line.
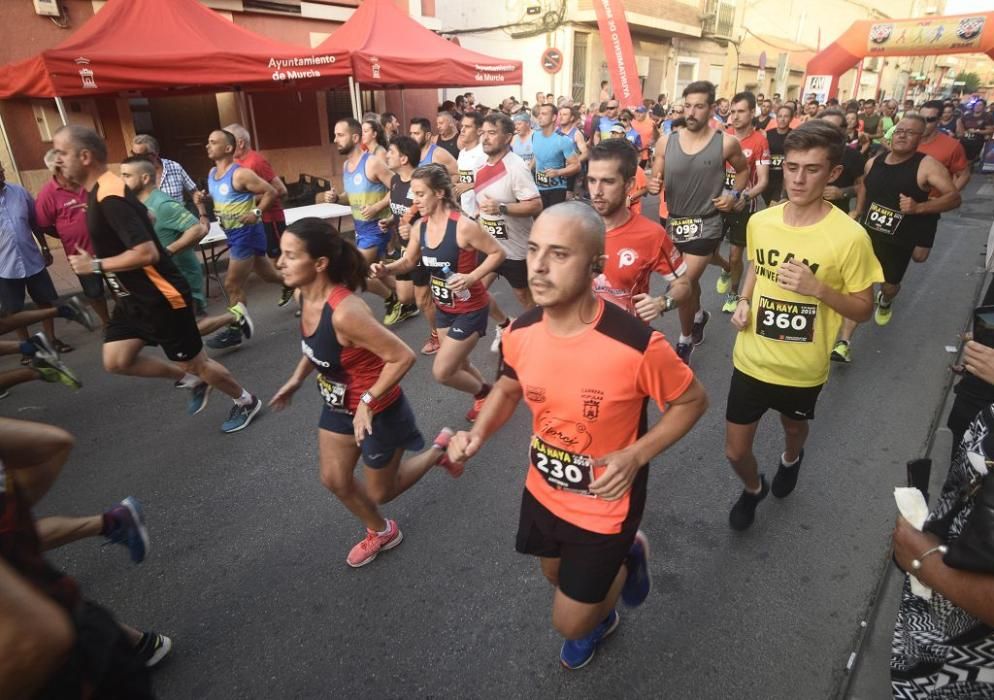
<point>118,222</point>
<point>762,122</point>
<point>852,169</point>
<point>449,145</point>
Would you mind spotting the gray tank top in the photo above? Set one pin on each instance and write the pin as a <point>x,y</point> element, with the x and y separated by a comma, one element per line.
<point>692,181</point>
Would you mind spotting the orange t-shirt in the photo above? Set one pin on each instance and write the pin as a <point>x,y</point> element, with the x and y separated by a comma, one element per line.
<point>587,395</point>
<point>634,251</point>
<point>948,151</point>
<point>794,123</point>
<point>645,130</point>
<point>640,182</point>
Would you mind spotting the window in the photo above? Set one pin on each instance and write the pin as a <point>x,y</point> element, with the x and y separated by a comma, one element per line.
<point>580,42</point>
<point>686,73</point>
<point>340,106</point>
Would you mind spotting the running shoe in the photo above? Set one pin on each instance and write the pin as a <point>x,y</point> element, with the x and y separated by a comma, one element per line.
<point>51,369</point>
<point>431,345</point>
<point>841,352</point>
<point>240,416</point>
<point>407,311</point>
<point>129,528</point>
<point>684,351</point>
<point>42,345</point>
<point>75,309</point>
<point>744,510</point>
<point>244,321</point>
<point>199,393</point>
<point>786,477</point>
<point>638,582</point>
<point>373,544</point>
<point>577,653</point>
<point>392,315</point>
<point>473,412</point>
<point>228,337</point>
<point>455,469</point>
<point>882,313</point>
<point>286,294</point>
<point>498,332</point>
<point>697,333</point>
<point>4,392</point>
<point>724,283</point>
<point>153,648</point>
<point>731,303</point>
<point>62,347</point>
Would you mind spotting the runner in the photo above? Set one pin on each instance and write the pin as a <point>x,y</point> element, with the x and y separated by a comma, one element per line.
<point>508,200</point>
<point>775,137</point>
<point>569,126</point>
<point>842,189</point>
<point>367,190</point>
<point>154,306</point>
<point>448,243</point>
<point>374,139</point>
<point>471,159</point>
<point>692,161</point>
<point>420,131</point>
<point>895,209</point>
<point>602,129</point>
<point>360,365</point>
<point>646,131</point>
<point>756,150</point>
<point>40,358</point>
<point>811,265</point>
<point>447,135</point>
<point>586,370</point>
<point>634,246</point>
<point>765,115</point>
<point>233,189</point>
<point>521,144</point>
<point>555,158</point>
<point>391,125</point>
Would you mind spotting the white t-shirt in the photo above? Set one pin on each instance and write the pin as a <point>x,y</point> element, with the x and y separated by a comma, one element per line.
<point>469,162</point>
<point>507,181</point>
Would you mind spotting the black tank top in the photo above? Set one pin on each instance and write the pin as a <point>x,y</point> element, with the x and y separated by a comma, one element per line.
<point>775,139</point>
<point>449,145</point>
<point>400,196</point>
<point>884,184</point>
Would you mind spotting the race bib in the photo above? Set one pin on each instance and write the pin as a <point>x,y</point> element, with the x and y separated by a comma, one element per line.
<point>562,470</point>
<point>441,293</point>
<point>685,229</point>
<point>466,177</point>
<point>495,227</point>
<point>115,285</point>
<point>788,321</point>
<point>332,392</point>
<point>776,162</point>
<point>542,179</point>
<point>729,180</point>
<point>882,219</point>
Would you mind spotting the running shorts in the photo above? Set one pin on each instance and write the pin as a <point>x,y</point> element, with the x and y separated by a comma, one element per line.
<point>247,242</point>
<point>394,428</point>
<point>749,398</point>
<point>160,324</point>
<point>368,235</point>
<point>734,227</point>
<point>462,326</point>
<point>894,257</point>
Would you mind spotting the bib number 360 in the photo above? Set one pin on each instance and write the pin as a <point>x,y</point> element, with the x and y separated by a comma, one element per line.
<point>561,469</point>
<point>786,321</point>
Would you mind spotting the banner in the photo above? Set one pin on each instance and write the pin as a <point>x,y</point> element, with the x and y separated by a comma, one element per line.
<point>956,33</point>
<point>620,53</point>
<point>817,87</point>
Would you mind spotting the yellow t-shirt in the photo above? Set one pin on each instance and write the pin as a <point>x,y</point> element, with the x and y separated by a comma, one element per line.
<point>790,338</point>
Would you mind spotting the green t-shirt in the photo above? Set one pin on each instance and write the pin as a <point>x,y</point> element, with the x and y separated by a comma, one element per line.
<point>888,126</point>
<point>172,220</point>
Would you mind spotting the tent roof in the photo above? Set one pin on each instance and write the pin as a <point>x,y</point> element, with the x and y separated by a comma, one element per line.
<point>161,45</point>
<point>389,48</point>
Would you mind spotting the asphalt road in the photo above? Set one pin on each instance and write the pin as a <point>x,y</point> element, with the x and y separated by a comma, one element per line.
<point>247,569</point>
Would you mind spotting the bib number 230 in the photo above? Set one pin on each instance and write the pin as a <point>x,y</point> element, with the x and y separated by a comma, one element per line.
<point>561,469</point>
<point>787,321</point>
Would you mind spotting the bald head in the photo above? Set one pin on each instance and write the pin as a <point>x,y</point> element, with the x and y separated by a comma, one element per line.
<point>580,218</point>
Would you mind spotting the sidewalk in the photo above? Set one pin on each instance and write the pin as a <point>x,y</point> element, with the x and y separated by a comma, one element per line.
<point>65,280</point>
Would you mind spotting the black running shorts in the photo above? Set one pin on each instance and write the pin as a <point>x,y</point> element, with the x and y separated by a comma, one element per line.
<point>749,398</point>
<point>894,257</point>
<point>174,329</point>
<point>734,227</point>
<point>703,247</point>
<point>515,272</point>
<point>588,561</point>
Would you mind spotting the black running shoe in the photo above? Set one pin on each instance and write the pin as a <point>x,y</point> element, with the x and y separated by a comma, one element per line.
<point>228,337</point>
<point>153,648</point>
<point>744,510</point>
<point>684,351</point>
<point>786,477</point>
<point>285,296</point>
<point>697,333</point>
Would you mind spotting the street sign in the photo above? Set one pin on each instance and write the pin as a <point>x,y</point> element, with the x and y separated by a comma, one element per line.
<point>762,61</point>
<point>761,76</point>
<point>552,60</point>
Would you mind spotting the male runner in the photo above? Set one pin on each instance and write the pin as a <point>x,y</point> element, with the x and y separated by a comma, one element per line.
<point>586,370</point>
<point>634,246</point>
<point>602,127</point>
<point>555,158</point>
<point>775,137</point>
<point>521,144</point>
<point>471,158</point>
<point>895,209</point>
<point>756,150</point>
<point>811,265</point>
<point>233,188</point>
<point>154,306</point>
<point>692,163</point>
<point>842,189</point>
<point>420,131</point>
<point>570,127</point>
<point>508,200</point>
<point>447,136</point>
<point>646,131</point>
<point>765,116</point>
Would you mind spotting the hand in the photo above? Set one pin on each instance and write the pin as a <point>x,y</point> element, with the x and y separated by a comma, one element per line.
<point>281,399</point>
<point>910,543</point>
<point>461,188</point>
<point>797,277</point>
<point>832,192</point>
<point>908,205</point>
<point>378,271</point>
<point>464,445</point>
<point>330,197</point>
<point>458,282</point>
<point>655,185</point>
<point>619,473</point>
<point>489,206</point>
<point>740,204</point>
<point>742,316</point>
<point>647,307</point>
<point>552,173</point>
<point>368,212</point>
<point>81,263</point>
<point>978,360</point>
<point>199,196</point>
<point>725,203</point>
<point>362,422</point>
<point>249,219</point>
<point>404,230</point>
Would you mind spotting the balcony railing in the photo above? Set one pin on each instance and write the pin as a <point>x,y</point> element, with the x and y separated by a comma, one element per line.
<point>719,18</point>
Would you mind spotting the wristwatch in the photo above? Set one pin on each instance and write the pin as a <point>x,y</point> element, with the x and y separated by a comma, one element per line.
<point>98,266</point>
<point>669,303</point>
<point>367,398</point>
<point>258,213</point>
<point>502,208</point>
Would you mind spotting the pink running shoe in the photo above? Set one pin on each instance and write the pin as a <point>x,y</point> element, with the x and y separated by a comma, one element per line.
<point>455,469</point>
<point>373,544</point>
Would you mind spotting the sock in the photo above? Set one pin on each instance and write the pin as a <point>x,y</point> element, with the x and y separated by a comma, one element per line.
<point>189,381</point>
<point>685,339</point>
<point>699,316</point>
<point>482,394</point>
<point>506,323</point>
<point>884,302</point>
<point>27,348</point>
<point>787,464</point>
<point>385,532</point>
<point>757,491</point>
<point>109,523</point>
<point>245,399</point>
<point>65,311</point>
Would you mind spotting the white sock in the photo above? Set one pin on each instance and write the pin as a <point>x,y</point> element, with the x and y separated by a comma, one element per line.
<point>785,463</point>
<point>245,399</point>
<point>699,316</point>
<point>385,532</point>
<point>190,380</point>
<point>684,339</point>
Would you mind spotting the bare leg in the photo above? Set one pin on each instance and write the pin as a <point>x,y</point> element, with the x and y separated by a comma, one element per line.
<point>208,325</point>
<point>263,267</point>
<point>453,356</point>
<point>735,265</point>
<point>573,619</point>
<point>795,433</point>
<point>524,297</point>
<point>57,530</point>
<point>339,454</point>
<point>10,347</point>
<point>48,325</point>
<point>427,306</point>
<point>405,292</point>
<point>696,264</point>
<point>214,373</point>
<point>124,357</point>
<point>738,449</point>
<point>387,483</point>
<point>17,376</point>
<point>100,307</point>
<point>33,454</point>
<point>234,281</point>
<point>23,319</point>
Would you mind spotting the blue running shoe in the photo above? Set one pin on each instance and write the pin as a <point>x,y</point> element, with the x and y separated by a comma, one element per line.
<point>638,583</point>
<point>241,416</point>
<point>228,337</point>
<point>129,528</point>
<point>199,393</point>
<point>577,653</point>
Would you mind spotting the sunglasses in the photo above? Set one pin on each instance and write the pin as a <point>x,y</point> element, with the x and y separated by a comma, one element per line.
<point>931,120</point>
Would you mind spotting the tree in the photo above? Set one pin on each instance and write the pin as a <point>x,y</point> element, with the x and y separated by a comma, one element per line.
<point>971,82</point>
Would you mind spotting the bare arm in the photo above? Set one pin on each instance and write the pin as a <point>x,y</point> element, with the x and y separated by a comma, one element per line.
<point>445,159</point>
<point>356,326</point>
<point>245,180</point>
<point>572,167</point>
<point>658,163</point>
<point>933,175</point>
<point>762,180</point>
<point>277,183</point>
<point>470,235</point>
<point>581,145</point>
<point>191,237</point>
<point>497,410</point>
<point>736,158</point>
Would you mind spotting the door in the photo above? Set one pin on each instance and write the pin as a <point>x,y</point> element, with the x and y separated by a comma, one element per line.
<point>182,125</point>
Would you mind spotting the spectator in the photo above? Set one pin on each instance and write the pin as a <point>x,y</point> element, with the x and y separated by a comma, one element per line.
<point>170,175</point>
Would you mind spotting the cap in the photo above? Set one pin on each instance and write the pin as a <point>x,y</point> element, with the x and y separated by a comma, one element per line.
<point>521,117</point>
<point>618,129</point>
<point>641,108</point>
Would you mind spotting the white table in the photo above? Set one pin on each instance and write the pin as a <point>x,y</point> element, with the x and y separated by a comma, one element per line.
<point>208,244</point>
<point>321,211</point>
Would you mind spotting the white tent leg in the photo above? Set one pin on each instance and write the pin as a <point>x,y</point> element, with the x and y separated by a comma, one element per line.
<point>355,106</point>
<point>358,102</point>
<point>62,111</point>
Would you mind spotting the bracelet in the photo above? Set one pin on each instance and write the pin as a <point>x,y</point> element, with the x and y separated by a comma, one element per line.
<point>916,564</point>
<point>747,300</point>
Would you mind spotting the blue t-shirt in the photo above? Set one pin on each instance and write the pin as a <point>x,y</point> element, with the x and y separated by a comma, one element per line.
<point>635,138</point>
<point>551,152</point>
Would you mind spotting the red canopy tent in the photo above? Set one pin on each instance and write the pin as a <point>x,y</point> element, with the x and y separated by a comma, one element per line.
<point>156,46</point>
<point>390,49</point>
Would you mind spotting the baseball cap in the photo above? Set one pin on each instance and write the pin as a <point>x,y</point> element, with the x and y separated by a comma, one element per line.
<point>641,108</point>
<point>618,129</point>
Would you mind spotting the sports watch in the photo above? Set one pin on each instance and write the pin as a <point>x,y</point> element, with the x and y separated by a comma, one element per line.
<point>367,398</point>
<point>502,208</point>
<point>258,213</point>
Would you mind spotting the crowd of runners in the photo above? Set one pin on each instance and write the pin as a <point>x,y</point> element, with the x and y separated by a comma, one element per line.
<point>811,214</point>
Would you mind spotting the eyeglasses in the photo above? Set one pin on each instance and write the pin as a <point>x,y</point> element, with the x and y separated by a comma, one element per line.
<point>931,120</point>
<point>906,132</point>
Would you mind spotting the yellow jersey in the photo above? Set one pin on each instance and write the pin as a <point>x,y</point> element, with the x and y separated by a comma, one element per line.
<point>790,337</point>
